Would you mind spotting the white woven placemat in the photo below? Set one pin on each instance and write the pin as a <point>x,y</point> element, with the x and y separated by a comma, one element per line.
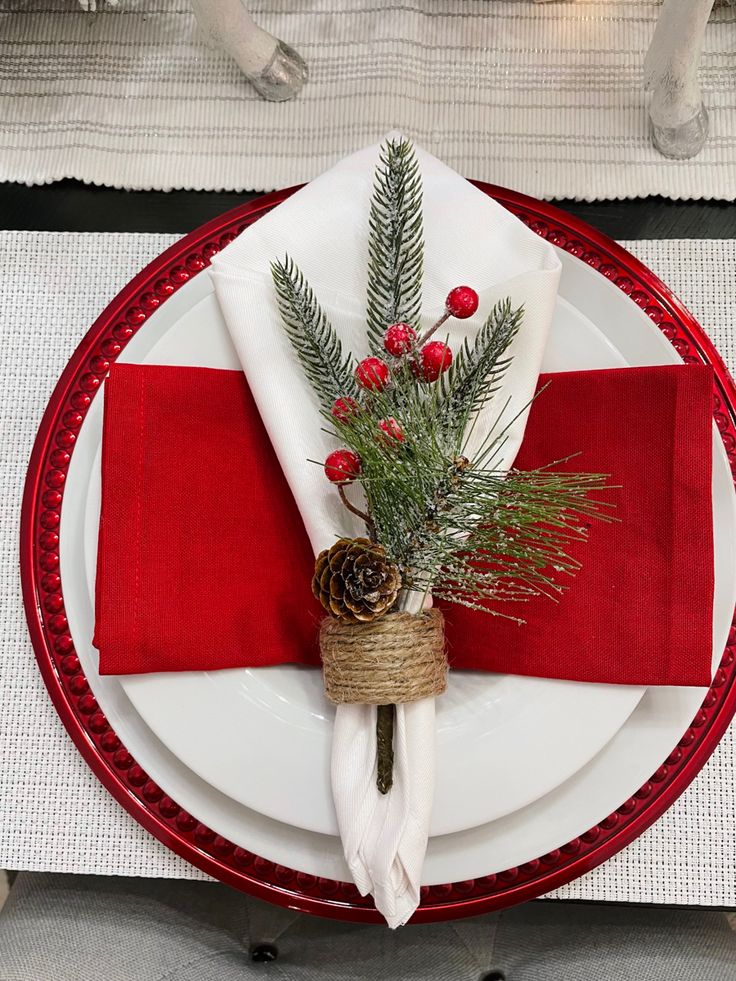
<point>54,815</point>
<point>545,98</point>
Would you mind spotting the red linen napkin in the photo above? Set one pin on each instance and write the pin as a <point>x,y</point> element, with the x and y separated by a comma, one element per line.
<point>204,563</point>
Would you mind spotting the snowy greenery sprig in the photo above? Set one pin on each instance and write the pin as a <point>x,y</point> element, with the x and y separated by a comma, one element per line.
<point>452,520</point>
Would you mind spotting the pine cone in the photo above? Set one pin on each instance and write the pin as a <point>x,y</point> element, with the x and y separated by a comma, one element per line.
<point>355,581</point>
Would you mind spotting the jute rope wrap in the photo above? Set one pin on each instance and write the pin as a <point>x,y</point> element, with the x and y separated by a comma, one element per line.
<point>398,658</point>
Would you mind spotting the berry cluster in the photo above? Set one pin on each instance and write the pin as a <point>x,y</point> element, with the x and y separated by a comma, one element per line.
<point>426,359</point>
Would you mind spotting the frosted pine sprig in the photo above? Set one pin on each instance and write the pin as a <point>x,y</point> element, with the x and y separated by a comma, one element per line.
<point>313,337</point>
<point>396,243</point>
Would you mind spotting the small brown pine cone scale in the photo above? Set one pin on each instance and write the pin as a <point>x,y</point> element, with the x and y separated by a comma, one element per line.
<point>355,581</point>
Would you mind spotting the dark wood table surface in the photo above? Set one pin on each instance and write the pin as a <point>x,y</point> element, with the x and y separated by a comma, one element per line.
<point>70,206</point>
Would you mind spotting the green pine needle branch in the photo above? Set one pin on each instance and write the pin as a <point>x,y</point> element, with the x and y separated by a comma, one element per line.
<point>472,535</point>
<point>476,372</point>
<point>313,337</point>
<point>395,243</point>
<point>456,526</point>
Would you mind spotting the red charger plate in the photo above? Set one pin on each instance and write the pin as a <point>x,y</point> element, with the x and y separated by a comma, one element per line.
<point>100,746</point>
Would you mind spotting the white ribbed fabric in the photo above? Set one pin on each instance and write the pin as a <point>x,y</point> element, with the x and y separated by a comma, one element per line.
<point>54,815</point>
<point>324,228</point>
<point>546,98</point>
<point>91,5</point>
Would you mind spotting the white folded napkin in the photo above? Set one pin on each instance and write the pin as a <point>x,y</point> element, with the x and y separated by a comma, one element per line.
<point>469,240</point>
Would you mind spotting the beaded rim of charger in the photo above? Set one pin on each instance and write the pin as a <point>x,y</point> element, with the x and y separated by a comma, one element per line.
<point>103,749</point>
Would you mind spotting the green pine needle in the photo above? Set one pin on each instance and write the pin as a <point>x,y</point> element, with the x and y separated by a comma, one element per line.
<point>395,243</point>
<point>312,335</point>
<point>455,526</point>
<point>476,372</point>
<point>478,536</point>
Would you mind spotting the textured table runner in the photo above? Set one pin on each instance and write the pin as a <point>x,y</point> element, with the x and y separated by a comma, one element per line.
<point>54,815</point>
<point>546,98</point>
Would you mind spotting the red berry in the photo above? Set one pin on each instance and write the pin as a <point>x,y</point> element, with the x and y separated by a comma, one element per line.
<point>435,358</point>
<point>344,408</point>
<point>342,466</point>
<point>373,374</point>
<point>399,339</point>
<point>462,302</point>
<point>392,429</point>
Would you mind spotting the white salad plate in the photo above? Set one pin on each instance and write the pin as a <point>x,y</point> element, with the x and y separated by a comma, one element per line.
<point>525,735</point>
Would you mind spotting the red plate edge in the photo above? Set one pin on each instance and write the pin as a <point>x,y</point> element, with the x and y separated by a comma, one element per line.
<point>146,802</point>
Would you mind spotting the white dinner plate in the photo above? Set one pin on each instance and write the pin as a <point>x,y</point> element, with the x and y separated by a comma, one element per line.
<point>625,761</point>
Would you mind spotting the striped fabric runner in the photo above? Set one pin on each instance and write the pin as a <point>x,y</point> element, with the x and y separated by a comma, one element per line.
<point>546,98</point>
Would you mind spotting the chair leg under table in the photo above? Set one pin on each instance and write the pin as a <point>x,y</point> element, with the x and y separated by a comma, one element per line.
<point>678,116</point>
<point>275,70</point>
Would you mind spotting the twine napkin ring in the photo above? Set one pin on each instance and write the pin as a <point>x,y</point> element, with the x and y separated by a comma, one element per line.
<point>399,657</point>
